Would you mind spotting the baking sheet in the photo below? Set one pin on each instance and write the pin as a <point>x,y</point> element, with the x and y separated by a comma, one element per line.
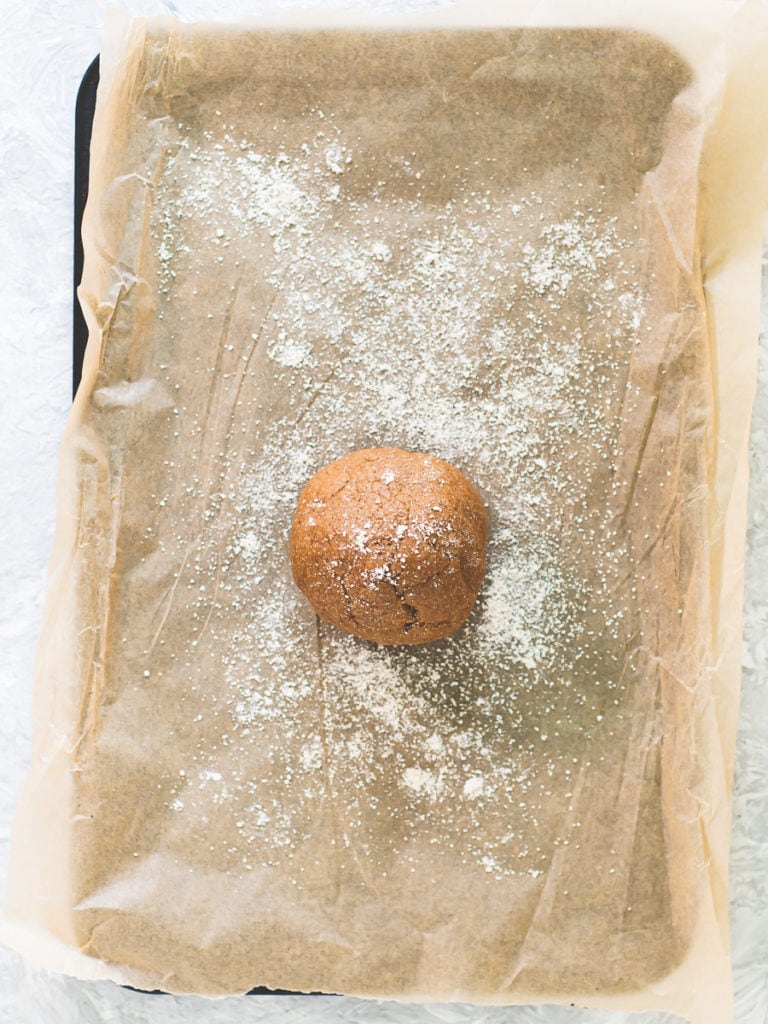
<point>541,271</point>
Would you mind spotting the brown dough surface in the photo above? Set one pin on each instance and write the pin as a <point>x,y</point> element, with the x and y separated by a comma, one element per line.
<point>389,545</point>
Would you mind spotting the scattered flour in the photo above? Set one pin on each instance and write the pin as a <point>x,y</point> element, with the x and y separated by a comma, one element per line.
<point>466,341</point>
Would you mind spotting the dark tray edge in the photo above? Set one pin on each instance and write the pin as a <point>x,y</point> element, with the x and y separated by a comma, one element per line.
<point>85,107</point>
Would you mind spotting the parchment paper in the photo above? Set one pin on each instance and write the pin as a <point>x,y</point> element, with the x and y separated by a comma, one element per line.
<point>532,251</point>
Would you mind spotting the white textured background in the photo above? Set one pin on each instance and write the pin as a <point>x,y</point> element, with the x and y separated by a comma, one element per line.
<point>45,46</point>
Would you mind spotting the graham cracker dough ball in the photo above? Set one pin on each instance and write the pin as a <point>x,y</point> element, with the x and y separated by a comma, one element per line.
<point>390,545</point>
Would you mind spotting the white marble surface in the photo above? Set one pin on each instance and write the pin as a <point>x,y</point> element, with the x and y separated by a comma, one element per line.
<point>44,49</point>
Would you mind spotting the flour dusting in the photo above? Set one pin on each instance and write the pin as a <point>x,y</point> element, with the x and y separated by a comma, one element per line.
<point>491,333</point>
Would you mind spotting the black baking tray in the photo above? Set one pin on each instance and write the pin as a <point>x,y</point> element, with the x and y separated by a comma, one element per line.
<point>85,107</point>
<point>84,110</point>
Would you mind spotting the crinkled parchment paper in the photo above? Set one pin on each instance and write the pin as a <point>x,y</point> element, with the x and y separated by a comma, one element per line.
<point>533,251</point>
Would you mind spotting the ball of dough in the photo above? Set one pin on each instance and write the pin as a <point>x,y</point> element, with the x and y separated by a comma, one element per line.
<point>390,545</point>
